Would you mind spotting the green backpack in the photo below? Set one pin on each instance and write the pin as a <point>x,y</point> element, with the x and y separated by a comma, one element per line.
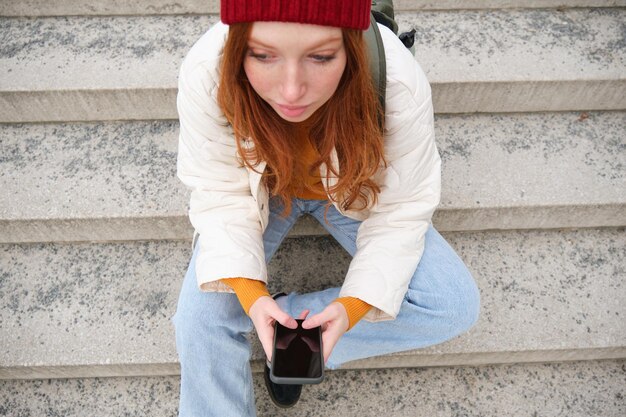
<point>382,12</point>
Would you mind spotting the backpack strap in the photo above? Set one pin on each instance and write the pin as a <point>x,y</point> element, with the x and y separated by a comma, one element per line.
<point>378,66</point>
<point>384,14</point>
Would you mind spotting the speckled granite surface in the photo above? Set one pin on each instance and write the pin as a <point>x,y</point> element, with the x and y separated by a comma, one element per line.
<point>96,52</point>
<point>90,170</point>
<point>577,389</point>
<point>519,45</point>
<point>104,68</point>
<point>517,171</point>
<point>109,305</point>
<point>499,171</point>
<point>109,7</point>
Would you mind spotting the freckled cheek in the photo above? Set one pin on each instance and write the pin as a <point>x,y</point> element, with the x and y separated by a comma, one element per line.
<point>260,80</point>
<point>332,81</point>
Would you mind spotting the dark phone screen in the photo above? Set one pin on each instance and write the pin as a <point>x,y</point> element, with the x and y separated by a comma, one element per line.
<point>297,353</point>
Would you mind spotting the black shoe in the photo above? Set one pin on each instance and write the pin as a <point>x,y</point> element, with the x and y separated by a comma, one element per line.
<point>283,395</point>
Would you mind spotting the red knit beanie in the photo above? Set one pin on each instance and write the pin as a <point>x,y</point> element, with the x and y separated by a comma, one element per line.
<point>352,14</point>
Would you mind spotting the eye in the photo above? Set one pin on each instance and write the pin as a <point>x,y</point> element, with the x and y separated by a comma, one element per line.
<point>258,56</point>
<point>322,59</point>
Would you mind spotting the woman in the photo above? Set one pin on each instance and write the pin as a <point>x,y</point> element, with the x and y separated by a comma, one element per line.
<point>279,118</point>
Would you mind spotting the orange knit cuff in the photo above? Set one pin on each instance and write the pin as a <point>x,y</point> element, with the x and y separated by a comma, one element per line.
<point>247,290</point>
<point>355,308</point>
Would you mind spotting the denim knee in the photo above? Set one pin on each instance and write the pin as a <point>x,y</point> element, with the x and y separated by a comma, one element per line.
<point>464,303</point>
<point>472,302</point>
<point>205,315</point>
<point>449,307</point>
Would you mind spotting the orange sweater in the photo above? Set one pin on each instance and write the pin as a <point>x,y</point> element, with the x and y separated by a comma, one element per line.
<point>249,290</point>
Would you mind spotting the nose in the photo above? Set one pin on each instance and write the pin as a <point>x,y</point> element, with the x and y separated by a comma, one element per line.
<point>293,85</point>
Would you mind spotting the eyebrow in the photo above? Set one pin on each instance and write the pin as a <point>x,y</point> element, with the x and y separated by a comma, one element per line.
<point>315,46</point>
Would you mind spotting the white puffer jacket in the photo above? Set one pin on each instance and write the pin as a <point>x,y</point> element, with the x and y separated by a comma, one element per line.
<point>229,205</point>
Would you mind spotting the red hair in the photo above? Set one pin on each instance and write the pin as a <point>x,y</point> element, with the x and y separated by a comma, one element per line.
<point>348,122</point>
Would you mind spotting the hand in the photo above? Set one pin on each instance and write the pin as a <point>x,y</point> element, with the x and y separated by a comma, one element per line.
<point>334,321</point>
<point>264,313</point>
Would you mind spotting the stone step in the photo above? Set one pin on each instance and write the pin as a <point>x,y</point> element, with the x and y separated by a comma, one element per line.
<point>94,310</point>
<point>120,68</point>
<point>160,7</point>
<point>572,389</point>
<point>117,180</point>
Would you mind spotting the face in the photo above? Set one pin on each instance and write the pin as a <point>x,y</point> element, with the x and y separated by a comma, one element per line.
<point>294,67</point>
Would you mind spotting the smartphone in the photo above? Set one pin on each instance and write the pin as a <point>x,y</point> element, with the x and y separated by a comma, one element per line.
<point>297,355</point>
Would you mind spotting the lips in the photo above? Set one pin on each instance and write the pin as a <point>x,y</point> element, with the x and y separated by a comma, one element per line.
<point>292,111</point>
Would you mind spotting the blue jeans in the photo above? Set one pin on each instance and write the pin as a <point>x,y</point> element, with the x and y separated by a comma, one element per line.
<point>442,302</point>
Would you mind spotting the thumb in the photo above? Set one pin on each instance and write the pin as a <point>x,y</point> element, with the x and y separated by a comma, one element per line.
<point>282,317</point>
<point>316,320</point>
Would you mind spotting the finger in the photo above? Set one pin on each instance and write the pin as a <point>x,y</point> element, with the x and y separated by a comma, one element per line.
<point>267,340</point>
<point>329,340</point>
<point>317,320</point>
<point>283,318</point>
<point>303,314</point>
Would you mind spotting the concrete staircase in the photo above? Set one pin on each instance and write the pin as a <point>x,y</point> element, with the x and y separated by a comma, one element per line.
<point>94,237</point>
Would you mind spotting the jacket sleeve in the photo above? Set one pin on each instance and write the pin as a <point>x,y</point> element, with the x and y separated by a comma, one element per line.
<point>390,242</point>
<point>222,208</point>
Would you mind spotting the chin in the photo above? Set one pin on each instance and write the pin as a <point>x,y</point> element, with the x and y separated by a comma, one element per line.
<point>296,119</point>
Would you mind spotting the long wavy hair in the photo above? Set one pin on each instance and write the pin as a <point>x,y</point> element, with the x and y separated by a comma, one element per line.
<point>350,122</point>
